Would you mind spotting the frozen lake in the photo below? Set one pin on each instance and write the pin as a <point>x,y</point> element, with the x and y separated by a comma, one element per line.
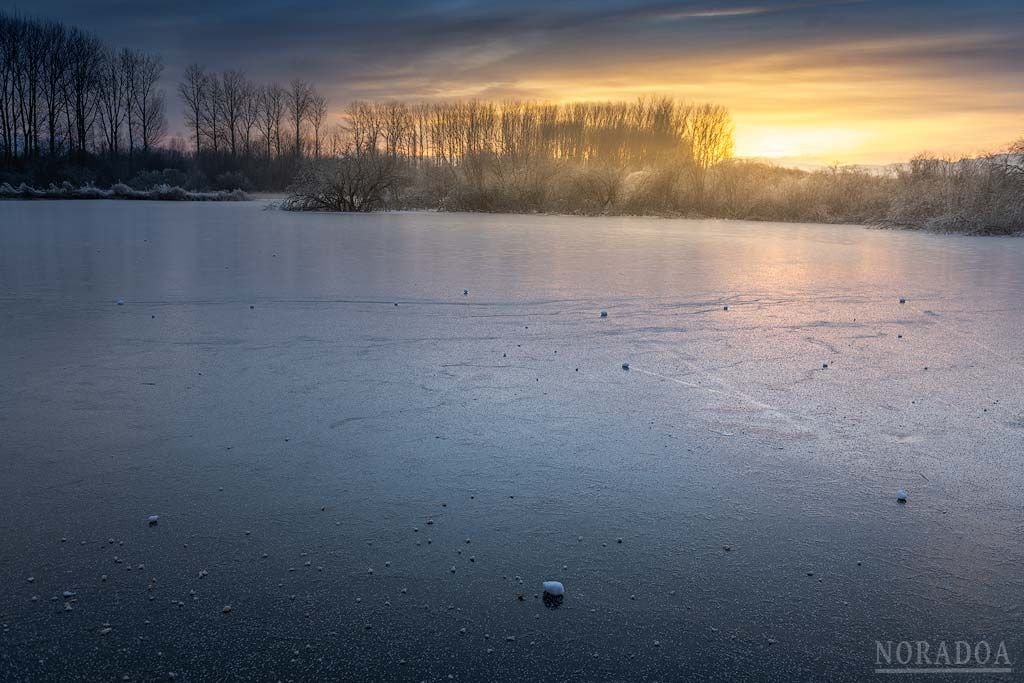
<point>293,428</point>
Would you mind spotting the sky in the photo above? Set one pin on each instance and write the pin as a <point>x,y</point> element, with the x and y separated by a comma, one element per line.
<point>843,81</point>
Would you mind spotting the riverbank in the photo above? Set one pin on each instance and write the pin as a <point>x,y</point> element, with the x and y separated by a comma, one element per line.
<point>983,196</point>
<point>119,191</point>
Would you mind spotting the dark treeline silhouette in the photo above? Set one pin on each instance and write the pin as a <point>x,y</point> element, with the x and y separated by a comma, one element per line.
<point>249,135</point>
<point>73,108</point>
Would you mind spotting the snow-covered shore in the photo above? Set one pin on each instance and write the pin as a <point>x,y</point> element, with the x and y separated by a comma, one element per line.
<point>119,191</point>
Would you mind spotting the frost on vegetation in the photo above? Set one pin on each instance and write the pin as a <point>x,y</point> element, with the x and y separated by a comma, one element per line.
<point>118,191</point>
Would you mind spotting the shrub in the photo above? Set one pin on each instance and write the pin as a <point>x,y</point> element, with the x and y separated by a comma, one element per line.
<point>347,183</point>
<point>146,180</point>
<point>232,180</point>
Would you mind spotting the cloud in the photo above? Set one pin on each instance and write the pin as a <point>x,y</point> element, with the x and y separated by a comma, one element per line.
<point>876,75</point>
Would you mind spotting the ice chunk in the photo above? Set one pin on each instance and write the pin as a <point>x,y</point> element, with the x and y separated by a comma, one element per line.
<point>120,302</point>
<point>153,519</point>
<point>554,588</point>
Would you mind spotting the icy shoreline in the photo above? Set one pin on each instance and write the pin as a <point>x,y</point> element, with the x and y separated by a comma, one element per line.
<point>119,191</point>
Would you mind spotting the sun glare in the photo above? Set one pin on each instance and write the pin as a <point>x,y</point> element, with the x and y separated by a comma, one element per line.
<point>785,142</point>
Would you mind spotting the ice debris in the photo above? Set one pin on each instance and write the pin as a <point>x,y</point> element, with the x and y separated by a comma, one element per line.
<point>554,594</point>
<point>554,588</point>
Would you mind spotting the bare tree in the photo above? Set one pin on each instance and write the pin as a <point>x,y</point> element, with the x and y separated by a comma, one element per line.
<point>55,65</point>
<point>317,117</point>
<point>8,65</point>
<point>396,125</point>
<point>85,53</point>
<point>112,100</point>
<point>213,110</point>
<point>192,91</point>
<point>337,137</point>
<point>129,66</point>
<point>271,108</point>
<point>147,102</point>
<point>364,127</point>
<point>250,115</point>
<point>27,81</point>
<point>232,91</point>
<point>708,130</point>
<point>299,98</point>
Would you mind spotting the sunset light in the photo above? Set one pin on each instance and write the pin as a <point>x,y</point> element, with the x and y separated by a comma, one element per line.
<point>511,341</point>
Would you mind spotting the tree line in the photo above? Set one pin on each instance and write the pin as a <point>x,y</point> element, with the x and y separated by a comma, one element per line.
<point>645,132</point>
<point>651,156</point>
<point>66,94</point>
<point>73,108</point>
<point>75,111</point>
<point>234,116</point>
<point>480,155</point>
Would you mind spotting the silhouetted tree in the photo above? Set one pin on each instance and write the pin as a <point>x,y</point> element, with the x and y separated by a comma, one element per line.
<point>299,99</point>
<point>317,117</point>
<point>192,91</point>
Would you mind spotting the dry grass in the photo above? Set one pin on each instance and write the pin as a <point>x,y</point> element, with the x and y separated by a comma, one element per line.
<point>973,196</point>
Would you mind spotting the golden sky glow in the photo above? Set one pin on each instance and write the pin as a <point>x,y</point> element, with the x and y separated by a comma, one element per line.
<point>818,105</point>
<point>807,81</point>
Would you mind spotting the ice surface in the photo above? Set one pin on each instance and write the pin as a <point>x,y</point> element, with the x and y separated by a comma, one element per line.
<point>329,422</point>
